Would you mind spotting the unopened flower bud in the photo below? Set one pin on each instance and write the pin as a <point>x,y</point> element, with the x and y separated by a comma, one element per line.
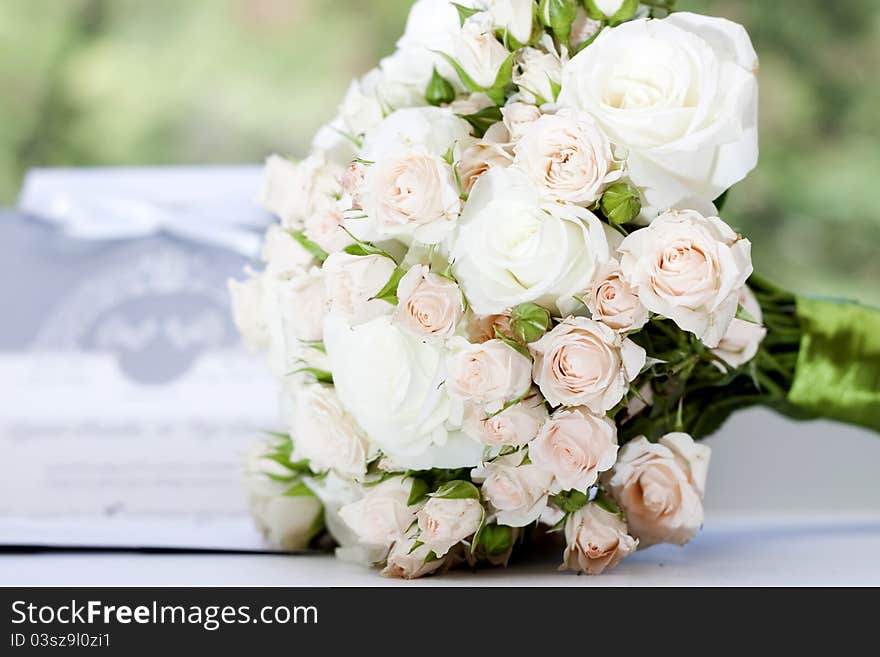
<point>621,203</point>
<point>440,91</point>
<point>613,11</point>
<point>529,322</point>
<point>558,15</point>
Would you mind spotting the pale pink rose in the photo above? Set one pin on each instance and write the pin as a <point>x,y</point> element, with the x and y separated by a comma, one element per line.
<point>324,228</point>
<point>516,493</point>
<point>444,523</point>
<point>576,446</point>
<point>660,487</point>
<point>514,426</point>
<point>690,269</point>
<point>482,328</point>
<point>477,159</point>
<point>353,183</point>
<point>743,338</point>
<point>407,560</point>
<point>582,362</point>
<point>351,283</point>
<point>596,540</point>
<point>382,516</point>
<point>518,117</point>
<point>490,374</point>
<point>613,302</point>
<point>567,157</point>
<point>429,305</point>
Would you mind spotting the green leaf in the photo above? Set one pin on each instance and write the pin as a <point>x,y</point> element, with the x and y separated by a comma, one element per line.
<point>556,87</point>
<point>362,248</point>
<point>311,247</point>
<point>745,315</point>
<point>479,533</point>
<point>389,290</point>
<point>464,12</point>
<point>457,490</point>
<point>419,491</point>
<point>571,500</point>
<point>497,92</point>
<point>606,503</point>
<point>321,376</point>
<point>299,490</point>
<point>484,119</point>
<point>466,79</point>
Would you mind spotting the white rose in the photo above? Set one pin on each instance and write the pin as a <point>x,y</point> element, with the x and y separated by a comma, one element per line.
<point>361,110</point>
<point>596,540</point>
<point>352,281</point>
<point>478,51</point>
<point>567,157</point>
<point>247,310</point>
<point>607,7</point>
<point>489,374</point>
<point>515,426</point>
<point>510,249</point>
<point>743,338</point>
<point>288,521</point>
<point>660,487</point>
<point>408,560</point>
<point>575,446</point>
<point>390,382</point>
<point>301,300</point>
<point>293,191</point>
<point>324,227</point>
<point>689,268</point>
<point>382,516</point>
<point>518,117</point>
<point>326,435</point>
<point>444,523</point>
<point>409,189</point>
<point>429,305</point>
<point>516,493</point>
<point>582,362</point>
<point>514,16</point>
<point>680,94</point>
<point>537,74</point>
<point>283,254</point>
<point>612,301</point>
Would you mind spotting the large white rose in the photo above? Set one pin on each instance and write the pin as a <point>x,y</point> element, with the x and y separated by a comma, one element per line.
<point>511,248</point>
<point>582,362</point>
<point>660,487</point>
<point>326,435</point>
<point>409,189</point>
<point>390,382</point>
<point>351,282</point>
<point>488,374</point>
<point>516,492</point>
<point>743,338</point>
<point>382,516</point>
<point>575,446</point>
<point>567,157</point>
<point>680,94</point>
<point>689,268</point>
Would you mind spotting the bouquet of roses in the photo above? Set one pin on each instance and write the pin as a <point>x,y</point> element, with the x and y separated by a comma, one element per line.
<point>501,303</point>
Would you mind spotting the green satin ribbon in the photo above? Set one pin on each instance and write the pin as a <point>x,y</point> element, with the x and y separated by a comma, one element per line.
<point>838,367</point>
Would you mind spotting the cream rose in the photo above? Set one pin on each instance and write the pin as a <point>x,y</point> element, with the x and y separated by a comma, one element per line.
<point>326,435</point>
<point>390,382</point>
<point>567,157</point>
<point>325,228</point>
<point>483,328</point>
<point>596,540</point>
<point>660,487</point>
<point>575,446</point>
<point>510,249</point>
<point>689,268</point>
<point>680,94</point>
<point>488,374</point>
<point>515,492</point>
<point>515,426</point>
<point>382,516</point>
<point>351,282</point>
<point>537,74</point>
<point>429,305</point>
<point>514,16</point>
<point>409,560</point>
<point>443,523</point>
<point>742,340</point>
<point>582,362</point>
<point>612,301</point>
<point>301,302</point>
<point>479,53</point>
<point>517,118</point>
<point>409,189</point>
<point>247,310</point>
<point>292,191</point>
<point>477,159</point>
<point>282,254</point>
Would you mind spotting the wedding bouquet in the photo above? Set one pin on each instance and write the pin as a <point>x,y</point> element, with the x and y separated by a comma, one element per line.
<point>502,302</point>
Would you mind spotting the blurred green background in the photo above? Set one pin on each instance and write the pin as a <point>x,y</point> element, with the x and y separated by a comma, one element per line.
<point>112,82</point>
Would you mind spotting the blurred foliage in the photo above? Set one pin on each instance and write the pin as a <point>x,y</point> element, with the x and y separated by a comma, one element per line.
<point>109,82</point>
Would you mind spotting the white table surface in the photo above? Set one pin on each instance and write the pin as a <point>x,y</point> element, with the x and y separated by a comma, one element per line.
<point>756,551</point>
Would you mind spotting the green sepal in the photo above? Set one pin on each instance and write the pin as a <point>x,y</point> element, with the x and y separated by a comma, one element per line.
<point>311,247</point>
<point>440,91</point>
<point>457,490</point>
<point>388,292</point>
